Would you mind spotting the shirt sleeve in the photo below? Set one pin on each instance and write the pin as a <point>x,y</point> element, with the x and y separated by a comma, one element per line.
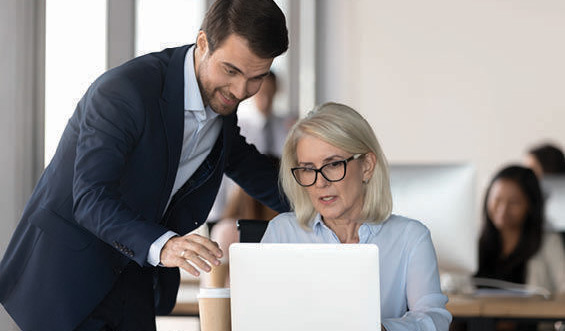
<point>154,255</point>
<point>272,234</point>
<point>426,303</point>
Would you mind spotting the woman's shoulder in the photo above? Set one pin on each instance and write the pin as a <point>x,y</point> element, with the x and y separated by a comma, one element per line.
<point>284,228</point>
<point>405,224</point>
<point>287,219</point>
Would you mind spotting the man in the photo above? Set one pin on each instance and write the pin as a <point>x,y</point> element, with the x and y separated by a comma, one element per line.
<point>137,168</point>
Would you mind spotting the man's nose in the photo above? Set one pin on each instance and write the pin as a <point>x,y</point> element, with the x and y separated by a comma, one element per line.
<point>239,89</point>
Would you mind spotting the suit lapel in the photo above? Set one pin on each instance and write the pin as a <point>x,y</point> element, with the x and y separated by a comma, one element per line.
<point>172,113</point>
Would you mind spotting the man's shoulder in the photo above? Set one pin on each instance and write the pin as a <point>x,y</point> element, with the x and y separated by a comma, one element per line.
<point>164,55</point>
<point>145,64</point>
<point>139,73</point>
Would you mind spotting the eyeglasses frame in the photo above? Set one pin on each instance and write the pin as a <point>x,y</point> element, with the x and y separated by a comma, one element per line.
<point>319,170</point>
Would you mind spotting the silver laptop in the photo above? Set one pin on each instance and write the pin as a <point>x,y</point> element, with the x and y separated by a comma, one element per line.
<point>304,287</point>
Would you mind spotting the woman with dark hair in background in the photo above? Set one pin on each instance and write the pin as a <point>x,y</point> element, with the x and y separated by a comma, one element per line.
<point>512,244</point>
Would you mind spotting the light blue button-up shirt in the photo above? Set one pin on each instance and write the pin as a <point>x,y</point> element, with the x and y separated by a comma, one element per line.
<point>411,298</point>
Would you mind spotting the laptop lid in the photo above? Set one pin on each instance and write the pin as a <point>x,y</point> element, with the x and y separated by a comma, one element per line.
<point>304,287</point>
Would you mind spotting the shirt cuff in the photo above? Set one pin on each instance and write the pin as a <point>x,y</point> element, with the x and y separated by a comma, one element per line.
<point>154,255</point>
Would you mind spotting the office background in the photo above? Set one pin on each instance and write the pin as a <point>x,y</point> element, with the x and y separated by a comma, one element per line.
<point>475,81</point>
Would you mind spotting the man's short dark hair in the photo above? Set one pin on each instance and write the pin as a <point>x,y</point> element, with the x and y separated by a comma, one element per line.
<point>260,22</point>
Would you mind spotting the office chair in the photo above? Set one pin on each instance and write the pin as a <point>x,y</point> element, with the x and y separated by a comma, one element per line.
<point>251,231</point>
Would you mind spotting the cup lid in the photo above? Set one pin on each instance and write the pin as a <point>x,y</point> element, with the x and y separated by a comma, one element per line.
<point>217,292</point>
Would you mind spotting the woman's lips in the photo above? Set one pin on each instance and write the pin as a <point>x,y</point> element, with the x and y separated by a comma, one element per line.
<point>328,199</point>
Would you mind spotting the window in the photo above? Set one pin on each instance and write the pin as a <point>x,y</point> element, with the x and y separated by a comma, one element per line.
<point>161,24</point>
<point>75,55</point>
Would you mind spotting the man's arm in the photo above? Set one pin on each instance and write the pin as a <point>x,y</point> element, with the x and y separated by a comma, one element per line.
<point>109,124</point>
<point>255,173</point>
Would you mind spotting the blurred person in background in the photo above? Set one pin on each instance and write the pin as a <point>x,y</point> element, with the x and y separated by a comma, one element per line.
<point>545,159</point>
<point>513,246</point>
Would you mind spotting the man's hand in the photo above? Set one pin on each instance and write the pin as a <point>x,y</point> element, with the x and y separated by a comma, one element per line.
<point>191,250</point>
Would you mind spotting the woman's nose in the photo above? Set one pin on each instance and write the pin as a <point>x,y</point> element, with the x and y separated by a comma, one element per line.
<point>321,181</point>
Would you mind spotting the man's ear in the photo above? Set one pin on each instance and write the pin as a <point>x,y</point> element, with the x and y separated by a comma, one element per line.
<point>202,42</point>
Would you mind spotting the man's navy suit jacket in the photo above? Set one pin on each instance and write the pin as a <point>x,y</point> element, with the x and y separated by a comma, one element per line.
<point>100,203</point>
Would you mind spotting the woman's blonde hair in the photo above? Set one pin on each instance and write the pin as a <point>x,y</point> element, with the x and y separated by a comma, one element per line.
<point>344,128</point>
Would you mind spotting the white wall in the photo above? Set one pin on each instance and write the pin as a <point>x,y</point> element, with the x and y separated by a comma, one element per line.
<point>443,81</point>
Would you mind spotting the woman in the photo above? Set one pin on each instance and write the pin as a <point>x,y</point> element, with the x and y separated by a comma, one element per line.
<point>336,178</point>
<point>512,245</point>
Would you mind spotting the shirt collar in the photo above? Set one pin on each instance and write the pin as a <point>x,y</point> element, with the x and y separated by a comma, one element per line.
<point>366,230</point>
<point>317,222</point>
<point>192,97</point>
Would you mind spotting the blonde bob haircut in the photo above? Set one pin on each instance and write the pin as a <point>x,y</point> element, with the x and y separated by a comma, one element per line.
<point>344,128</point>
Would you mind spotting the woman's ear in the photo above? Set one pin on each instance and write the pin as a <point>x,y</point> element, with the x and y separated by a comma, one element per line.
<point>369,164</point>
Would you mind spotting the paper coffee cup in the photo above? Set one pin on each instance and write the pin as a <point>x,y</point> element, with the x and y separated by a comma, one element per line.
<point>218,276</point>
<point>214,307</point>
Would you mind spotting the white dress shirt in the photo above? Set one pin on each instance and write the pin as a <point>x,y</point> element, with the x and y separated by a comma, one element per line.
<point>202,127</point>
<point>546,268</point>
<point>411,298</point>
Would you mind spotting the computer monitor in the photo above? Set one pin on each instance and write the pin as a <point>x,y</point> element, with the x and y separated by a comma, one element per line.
<point>442,197</point>
<point>553,187</point>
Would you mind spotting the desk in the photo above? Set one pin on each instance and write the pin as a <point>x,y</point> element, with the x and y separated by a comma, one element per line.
<point>482,313</point>
<point>185,309</point>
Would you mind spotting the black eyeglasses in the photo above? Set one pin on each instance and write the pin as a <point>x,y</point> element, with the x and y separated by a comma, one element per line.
<point>332,172</point>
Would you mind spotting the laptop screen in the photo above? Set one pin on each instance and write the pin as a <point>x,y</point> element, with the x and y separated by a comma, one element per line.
<point>306,287</point>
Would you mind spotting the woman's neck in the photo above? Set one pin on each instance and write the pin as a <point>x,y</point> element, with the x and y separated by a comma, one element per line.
<point>509,240</point>
<point>347,231</point>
